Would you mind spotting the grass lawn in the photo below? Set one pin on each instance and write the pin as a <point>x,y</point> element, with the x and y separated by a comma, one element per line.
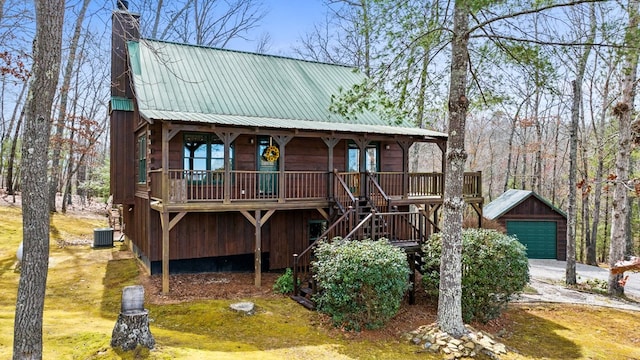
<point>83,300</point>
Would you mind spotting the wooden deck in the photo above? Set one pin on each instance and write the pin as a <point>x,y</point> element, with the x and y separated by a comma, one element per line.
<point>185,190</point>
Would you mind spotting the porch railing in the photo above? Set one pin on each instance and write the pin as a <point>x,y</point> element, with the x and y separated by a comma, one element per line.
<point>203,185</point>
<point>199,185</point>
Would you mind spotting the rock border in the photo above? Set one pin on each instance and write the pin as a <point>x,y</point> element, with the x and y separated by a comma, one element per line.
<point>475,342</point>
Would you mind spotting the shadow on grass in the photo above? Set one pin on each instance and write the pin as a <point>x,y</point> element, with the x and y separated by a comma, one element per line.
<point>8,265</point>
<point>119,273</point>
<point>536,337</point>
<point>210,324</point>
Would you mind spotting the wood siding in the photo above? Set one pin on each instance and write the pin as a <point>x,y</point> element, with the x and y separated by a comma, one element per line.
<point>123,167</point>
<point>204,235</point>
<point>532,209</point>
<point>125,27</point>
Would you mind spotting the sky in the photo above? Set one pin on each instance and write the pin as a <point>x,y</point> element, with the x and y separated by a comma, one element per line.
<point>286,21</point>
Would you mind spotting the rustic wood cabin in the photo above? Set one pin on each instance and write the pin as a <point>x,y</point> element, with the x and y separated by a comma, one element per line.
<point>227,160</point>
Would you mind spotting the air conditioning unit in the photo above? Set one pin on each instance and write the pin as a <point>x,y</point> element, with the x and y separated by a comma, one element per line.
<point>103,237</point>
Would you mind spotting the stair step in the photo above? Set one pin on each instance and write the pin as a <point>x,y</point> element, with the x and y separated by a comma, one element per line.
<point>306,291</point>
<point>304,302</point>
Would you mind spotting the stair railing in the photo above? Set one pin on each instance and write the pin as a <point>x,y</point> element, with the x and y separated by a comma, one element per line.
<point>342,195</point>
<point>302,261</point>
<point>376,195</point>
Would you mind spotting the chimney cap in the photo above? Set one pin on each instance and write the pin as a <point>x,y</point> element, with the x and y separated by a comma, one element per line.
<point>123,5</point>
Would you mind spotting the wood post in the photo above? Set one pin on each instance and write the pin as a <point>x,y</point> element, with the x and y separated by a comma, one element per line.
<point>257,222</point>
<point>164,221</point>
<point>331,144</point>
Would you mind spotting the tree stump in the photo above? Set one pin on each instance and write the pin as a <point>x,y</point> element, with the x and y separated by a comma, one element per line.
<point>132,327</point>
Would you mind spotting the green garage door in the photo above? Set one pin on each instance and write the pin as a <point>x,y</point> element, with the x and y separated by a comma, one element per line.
<point>538,236</point>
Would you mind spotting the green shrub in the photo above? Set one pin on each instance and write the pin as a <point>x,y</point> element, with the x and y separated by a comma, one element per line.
<point>494,267</point>
<point>284,283</point>
<point>361,283</point>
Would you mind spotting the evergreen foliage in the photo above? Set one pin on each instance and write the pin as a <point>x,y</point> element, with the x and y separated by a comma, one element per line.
<point>361,283</point>
<point>494,267</point>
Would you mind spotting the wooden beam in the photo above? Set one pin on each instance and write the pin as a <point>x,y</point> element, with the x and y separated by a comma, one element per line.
<point>227,138</point>
<point>478,209</point>
<point>323,213</point>
<point>331,144</point>
<point>164,221</point>
<point>176,219</point>
<point>172,133</point>
<point>258,250</point>
<point>257,221</point>
<point>405,145</point>
<point>249,217</point>
<point>266,216</point>
<point>165,163</point>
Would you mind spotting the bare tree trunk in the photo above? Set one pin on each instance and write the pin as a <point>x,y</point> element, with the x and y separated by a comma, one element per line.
<point>450,290</point>
<point>47,45</point>
<point>573,153</point>
<point>62,117</point>
<point>556,146</point>
<point>512,134</point>
<point>571,213</point>
<point>623,112</point>
<point>16,117</point>
<point>599,175</point>
<point>628,249</point>
<point>12,156</point>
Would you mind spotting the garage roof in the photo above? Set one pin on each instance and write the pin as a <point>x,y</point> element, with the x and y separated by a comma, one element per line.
<point>510,199</point>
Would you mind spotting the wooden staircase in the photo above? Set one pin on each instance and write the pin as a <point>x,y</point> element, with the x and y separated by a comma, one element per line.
<point>358,219</point>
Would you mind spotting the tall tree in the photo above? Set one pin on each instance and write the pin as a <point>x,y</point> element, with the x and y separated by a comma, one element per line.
<point>450,292</point>
<point>62,114</point>
<point>47,45</point>
<point>623,111</point>
<point>583,57</point>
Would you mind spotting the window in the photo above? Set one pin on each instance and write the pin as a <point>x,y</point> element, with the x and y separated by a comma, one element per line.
<point>142,159</point>
<point>371,155</point>
<point>204,153</point>
<point>316,228</point>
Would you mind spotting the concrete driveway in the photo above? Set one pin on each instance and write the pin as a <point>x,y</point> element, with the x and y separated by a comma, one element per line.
<point>547,277</point>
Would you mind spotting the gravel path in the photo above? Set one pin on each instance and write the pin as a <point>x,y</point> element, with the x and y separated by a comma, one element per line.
<point>547,278</point>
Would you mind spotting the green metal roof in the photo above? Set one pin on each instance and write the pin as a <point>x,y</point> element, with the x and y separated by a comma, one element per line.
<point>510,199</point>
<point>120,103</point>
<point>182,82</point>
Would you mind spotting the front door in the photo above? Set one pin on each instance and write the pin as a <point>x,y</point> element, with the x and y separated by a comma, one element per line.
<point>355,166</point>
<point>268,166</point>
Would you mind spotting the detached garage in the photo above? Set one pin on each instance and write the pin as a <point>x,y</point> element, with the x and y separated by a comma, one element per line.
<point>539,225</point>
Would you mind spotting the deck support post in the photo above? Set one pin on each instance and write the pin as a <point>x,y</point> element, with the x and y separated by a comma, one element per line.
<point>258,250</point>
<point>164,221</point>
<point>405,145</point>
<point>331,144</point>
<point>227,138</point>
<point>257,222</point>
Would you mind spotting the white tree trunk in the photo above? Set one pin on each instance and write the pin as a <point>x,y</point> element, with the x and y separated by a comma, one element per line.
<point>623,112</point>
